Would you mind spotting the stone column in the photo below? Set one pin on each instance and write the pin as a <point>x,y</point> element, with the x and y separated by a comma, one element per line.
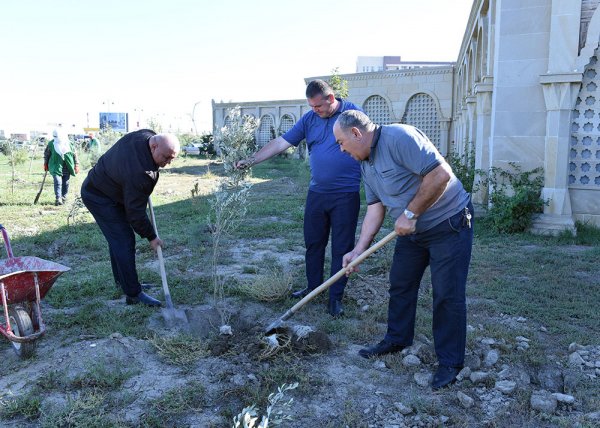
<point>471,109</point>
<point>560,93</point>
<point>444,130</point>
<point>483,92</point>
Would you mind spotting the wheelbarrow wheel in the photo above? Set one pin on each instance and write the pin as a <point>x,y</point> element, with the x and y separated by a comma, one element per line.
<point>21,325</point>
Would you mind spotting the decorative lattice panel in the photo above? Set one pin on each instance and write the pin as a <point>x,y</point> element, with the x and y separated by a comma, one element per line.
<point>266,130</point>
<point>584,156</point>
<point>421,112</point>
<point>376,107</point>
<point>287,122</point>
<point>227,123</point>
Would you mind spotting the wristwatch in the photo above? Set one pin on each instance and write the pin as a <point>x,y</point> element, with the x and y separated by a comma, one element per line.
<point>409,214</point>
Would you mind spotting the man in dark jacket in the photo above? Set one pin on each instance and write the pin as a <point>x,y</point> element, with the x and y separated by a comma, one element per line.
<point>116,192</point>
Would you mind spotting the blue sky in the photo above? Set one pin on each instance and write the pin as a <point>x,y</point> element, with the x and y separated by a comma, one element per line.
<point>60,60</point>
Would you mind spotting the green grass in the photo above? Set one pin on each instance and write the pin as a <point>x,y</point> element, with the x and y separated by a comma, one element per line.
<point>87,409</point>
<point>98,320</point>
<point>102,375</point>
<point>27,406</point>
<point>551,281</point>
<point>176,402</point>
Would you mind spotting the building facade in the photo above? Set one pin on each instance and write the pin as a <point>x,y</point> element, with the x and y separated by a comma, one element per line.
<point>524,91</point>
<point>276,117</point>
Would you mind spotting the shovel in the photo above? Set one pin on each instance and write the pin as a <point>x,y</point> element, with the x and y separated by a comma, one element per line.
<point>278,324</point>
<point>172,316</point>
<point>37,197</point>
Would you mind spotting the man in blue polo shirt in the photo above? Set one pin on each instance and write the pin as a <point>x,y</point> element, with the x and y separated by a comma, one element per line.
<point>333,199</point>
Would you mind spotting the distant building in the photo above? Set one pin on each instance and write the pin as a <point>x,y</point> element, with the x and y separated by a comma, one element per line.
<point>276,117</point>
<point>116,121</point>
<point>370,64</point>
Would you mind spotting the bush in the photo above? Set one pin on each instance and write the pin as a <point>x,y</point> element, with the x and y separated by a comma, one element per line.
<point>463,166</point>
<point>515,198</point>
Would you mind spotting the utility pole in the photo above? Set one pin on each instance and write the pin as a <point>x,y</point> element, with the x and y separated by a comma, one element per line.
<point>194,117</point>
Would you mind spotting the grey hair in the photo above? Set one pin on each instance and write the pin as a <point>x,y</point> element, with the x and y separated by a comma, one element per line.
<point>355,119</point>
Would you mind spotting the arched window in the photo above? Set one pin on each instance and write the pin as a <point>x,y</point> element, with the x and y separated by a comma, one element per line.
<point>421,112</point>
<point>287,122</point>
<point>376,107</point>
<point>584,156</point>
<point>227,123</point>
<point>266,131</point>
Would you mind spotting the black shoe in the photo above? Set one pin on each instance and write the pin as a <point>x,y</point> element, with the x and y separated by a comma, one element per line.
<point>444,376</point>
<point>300,294</point>
<point>381,348</point>
<point>335,308</point>
<point>142,298</point>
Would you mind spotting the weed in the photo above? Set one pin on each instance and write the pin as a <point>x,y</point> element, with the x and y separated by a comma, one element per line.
<point>102,376</point>
<point>52,380</point>
<point>249,269</point>
<point>99,320</point>
<point>85,409</point>
<point>27,406</point>
<point>272,285</point>
<point>587,234</point>
<point>181,350</point>
<point>174,403</point>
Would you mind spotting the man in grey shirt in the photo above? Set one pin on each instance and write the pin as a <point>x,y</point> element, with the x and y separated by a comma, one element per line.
<point>404,174</point>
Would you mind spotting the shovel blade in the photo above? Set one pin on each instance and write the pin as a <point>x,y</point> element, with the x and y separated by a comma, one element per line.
<point>175,318</point>
<point>274,326</point>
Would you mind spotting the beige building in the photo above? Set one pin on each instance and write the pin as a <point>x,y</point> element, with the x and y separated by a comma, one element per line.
<point>524,90</point>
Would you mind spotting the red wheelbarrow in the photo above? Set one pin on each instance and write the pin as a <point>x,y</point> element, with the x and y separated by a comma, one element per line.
<point>24,281</point>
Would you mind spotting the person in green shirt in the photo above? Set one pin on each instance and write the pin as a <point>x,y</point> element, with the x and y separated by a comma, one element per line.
<point>93,145</point>
<point>61,162</point>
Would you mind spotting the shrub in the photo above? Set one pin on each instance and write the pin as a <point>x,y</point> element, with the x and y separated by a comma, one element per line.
<point>463,166</point>
<point>515,198</point>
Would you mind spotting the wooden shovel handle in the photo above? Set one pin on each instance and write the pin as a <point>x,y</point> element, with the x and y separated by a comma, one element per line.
<point>338,275</point>
<point>161,262</point>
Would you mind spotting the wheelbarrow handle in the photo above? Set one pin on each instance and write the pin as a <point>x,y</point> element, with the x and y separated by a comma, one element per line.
<point>6,242</point>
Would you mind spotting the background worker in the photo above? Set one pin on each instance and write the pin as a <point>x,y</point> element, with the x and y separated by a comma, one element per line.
<point>60,160</point>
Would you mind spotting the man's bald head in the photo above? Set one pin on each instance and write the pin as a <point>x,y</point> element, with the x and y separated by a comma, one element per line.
<point>164,148</point>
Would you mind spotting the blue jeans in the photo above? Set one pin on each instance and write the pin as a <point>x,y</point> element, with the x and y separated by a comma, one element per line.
<point>446,248</point>
<point>112,220</point>
<point>61,184</point>
<point>337,212</point>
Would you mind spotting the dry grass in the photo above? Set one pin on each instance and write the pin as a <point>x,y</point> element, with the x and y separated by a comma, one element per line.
<point>271,286</point>
<point>181,350</point>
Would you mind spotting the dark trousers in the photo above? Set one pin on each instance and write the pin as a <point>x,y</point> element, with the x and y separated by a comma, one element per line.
<point>61,184</point>
<point>446,248</point>
<point>113,223</point>
<point>325,212</point>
